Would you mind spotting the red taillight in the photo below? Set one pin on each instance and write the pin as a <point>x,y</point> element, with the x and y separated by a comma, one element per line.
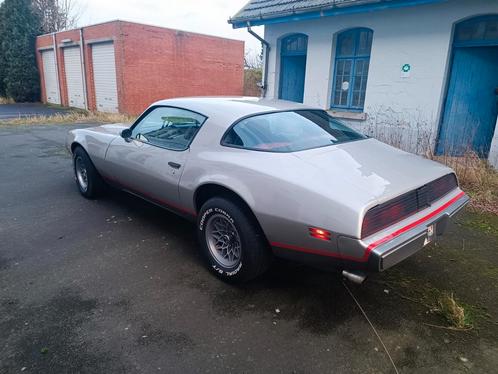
<point>319,233</point>
<point>386,214</point>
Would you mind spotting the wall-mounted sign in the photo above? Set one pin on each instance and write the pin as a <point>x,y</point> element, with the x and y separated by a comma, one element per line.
<point>345,86</point>
<point>405,70</point>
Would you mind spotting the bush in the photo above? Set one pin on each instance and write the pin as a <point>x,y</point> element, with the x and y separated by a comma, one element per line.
<point>18,26</point>
<point>252,77</point>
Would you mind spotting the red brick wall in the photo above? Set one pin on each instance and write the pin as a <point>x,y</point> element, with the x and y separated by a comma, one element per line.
<point>154,63</point>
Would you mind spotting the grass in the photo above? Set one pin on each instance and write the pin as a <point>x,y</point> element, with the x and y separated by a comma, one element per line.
<point>457,315</point>
<point>478,178</point>
<point>484,222</point>
<point>74,116</point>
<point>6,100</point>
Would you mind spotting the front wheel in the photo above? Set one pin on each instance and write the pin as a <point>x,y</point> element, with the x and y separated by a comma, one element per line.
<point>88,180</point>
<point>232,241</point>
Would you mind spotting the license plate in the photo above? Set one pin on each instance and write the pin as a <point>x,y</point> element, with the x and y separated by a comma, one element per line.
<point>430,234</point>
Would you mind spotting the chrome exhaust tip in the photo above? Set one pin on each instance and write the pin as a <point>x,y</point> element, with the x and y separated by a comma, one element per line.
<point>355,277</point>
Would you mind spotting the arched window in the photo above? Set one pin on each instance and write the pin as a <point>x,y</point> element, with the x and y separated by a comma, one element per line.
<point>352,60</point>
<point>479,31</point>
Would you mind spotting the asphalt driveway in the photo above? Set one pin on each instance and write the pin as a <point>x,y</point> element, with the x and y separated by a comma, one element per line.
<point>117,285</point>
<point>10,111</point>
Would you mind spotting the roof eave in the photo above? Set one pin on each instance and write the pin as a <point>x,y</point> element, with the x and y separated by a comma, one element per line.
<point>307,14</point>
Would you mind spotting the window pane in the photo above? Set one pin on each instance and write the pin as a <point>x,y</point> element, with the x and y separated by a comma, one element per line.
<point>289,131</point>
<point>360,83</point>
<point>364,43</point>
<point>477,30</point>
<point>171,128</point>
<point>345,43</point>
<point>295,44</point>
<point>342,82</point>
<point>491,32</point>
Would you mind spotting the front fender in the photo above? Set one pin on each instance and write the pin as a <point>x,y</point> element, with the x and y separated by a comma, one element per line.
<point>94,141</point>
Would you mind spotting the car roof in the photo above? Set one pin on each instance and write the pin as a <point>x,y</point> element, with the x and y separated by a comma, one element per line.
<point>226,110</point>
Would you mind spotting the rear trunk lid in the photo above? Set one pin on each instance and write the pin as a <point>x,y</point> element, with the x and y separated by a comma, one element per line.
<point>382,172</point>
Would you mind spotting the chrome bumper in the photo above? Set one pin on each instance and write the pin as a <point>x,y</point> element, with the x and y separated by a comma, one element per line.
<point>408,243</point>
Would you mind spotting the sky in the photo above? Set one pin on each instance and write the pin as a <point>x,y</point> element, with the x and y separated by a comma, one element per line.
<point>203,16</point>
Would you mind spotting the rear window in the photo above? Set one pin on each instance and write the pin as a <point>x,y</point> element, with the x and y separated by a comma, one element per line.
<point>289,131</point>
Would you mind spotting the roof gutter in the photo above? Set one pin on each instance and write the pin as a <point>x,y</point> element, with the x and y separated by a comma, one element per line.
<point>266,48</point>
<point>326,11</point>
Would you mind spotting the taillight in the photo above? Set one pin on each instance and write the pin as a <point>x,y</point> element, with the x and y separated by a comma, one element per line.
<point>321,234</point>
<point>387,214</point>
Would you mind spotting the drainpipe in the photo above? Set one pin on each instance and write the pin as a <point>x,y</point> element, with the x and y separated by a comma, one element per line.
<point>56,68</point>
<point>266,47</point>
<point>83,67</point>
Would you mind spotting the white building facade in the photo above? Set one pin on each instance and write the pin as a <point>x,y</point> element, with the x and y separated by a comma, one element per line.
<point>421,75</point>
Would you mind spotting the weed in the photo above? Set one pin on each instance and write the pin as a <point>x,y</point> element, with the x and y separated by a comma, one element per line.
<point>74,116</point>
<point>453,312</point>
<point>459,316</point>
<point>6,100</point>
<point>478,178</point>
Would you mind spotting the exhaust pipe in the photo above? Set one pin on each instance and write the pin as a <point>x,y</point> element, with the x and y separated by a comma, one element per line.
<point>355,277</point>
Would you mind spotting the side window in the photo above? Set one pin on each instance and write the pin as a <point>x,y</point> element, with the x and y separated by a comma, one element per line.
<point>352,61</point>
<point>167,127</point>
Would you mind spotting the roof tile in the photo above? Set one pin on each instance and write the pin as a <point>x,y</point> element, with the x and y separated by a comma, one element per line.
<point>255,9</point>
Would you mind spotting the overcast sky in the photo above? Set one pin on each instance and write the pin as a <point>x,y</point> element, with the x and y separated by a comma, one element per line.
<point>204,16</point>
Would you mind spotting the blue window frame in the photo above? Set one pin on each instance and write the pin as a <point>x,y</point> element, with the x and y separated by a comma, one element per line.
<point>352,60</point>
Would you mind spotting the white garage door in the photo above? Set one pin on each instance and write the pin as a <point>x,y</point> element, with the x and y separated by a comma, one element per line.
<point>104,76</point>
<point>74,77</point>
<point>50,78</point>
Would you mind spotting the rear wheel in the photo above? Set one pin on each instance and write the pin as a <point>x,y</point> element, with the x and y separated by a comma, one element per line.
<point>231,241</point>
<point>88,180</point>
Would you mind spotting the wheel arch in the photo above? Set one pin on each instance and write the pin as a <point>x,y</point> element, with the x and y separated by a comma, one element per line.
<point>75,144</point>
<point>209,190</point>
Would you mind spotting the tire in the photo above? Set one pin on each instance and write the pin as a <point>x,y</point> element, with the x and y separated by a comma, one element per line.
<point>88,180</point>
<point>222,223</point>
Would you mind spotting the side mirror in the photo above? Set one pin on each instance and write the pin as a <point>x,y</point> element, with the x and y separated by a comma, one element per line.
<point>126,134</point>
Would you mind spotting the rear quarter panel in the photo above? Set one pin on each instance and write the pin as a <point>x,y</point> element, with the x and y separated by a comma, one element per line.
<point>278,188</point>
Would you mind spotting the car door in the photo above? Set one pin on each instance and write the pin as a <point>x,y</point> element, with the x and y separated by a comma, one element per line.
<point>150,162</point>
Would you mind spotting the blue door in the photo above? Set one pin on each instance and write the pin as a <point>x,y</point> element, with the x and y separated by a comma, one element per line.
<point>471,107</point>
<point>293,67</point>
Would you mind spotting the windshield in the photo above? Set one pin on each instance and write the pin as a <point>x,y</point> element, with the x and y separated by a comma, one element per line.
<point>289,131</point>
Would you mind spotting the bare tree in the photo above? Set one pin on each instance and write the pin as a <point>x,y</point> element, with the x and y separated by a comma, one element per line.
<point>57,15</point>
<point>252,60</point>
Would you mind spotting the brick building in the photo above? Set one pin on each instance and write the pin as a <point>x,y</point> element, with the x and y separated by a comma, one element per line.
<point>122,66</point>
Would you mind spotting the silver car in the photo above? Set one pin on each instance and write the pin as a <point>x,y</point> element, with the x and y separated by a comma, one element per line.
<point>263,178</point>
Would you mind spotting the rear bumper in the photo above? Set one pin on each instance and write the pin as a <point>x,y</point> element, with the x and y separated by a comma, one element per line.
<point>395,247</point>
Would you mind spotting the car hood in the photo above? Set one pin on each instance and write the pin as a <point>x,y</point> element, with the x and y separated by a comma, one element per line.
<point>113,129</point>
<point>380,171</point>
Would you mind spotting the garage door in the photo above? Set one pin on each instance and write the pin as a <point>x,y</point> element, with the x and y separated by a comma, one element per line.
<point>104,76</point>
<point>50,78</point>
<point>74,77</point>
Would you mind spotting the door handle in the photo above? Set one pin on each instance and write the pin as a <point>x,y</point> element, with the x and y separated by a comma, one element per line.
<point>174,165</point>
